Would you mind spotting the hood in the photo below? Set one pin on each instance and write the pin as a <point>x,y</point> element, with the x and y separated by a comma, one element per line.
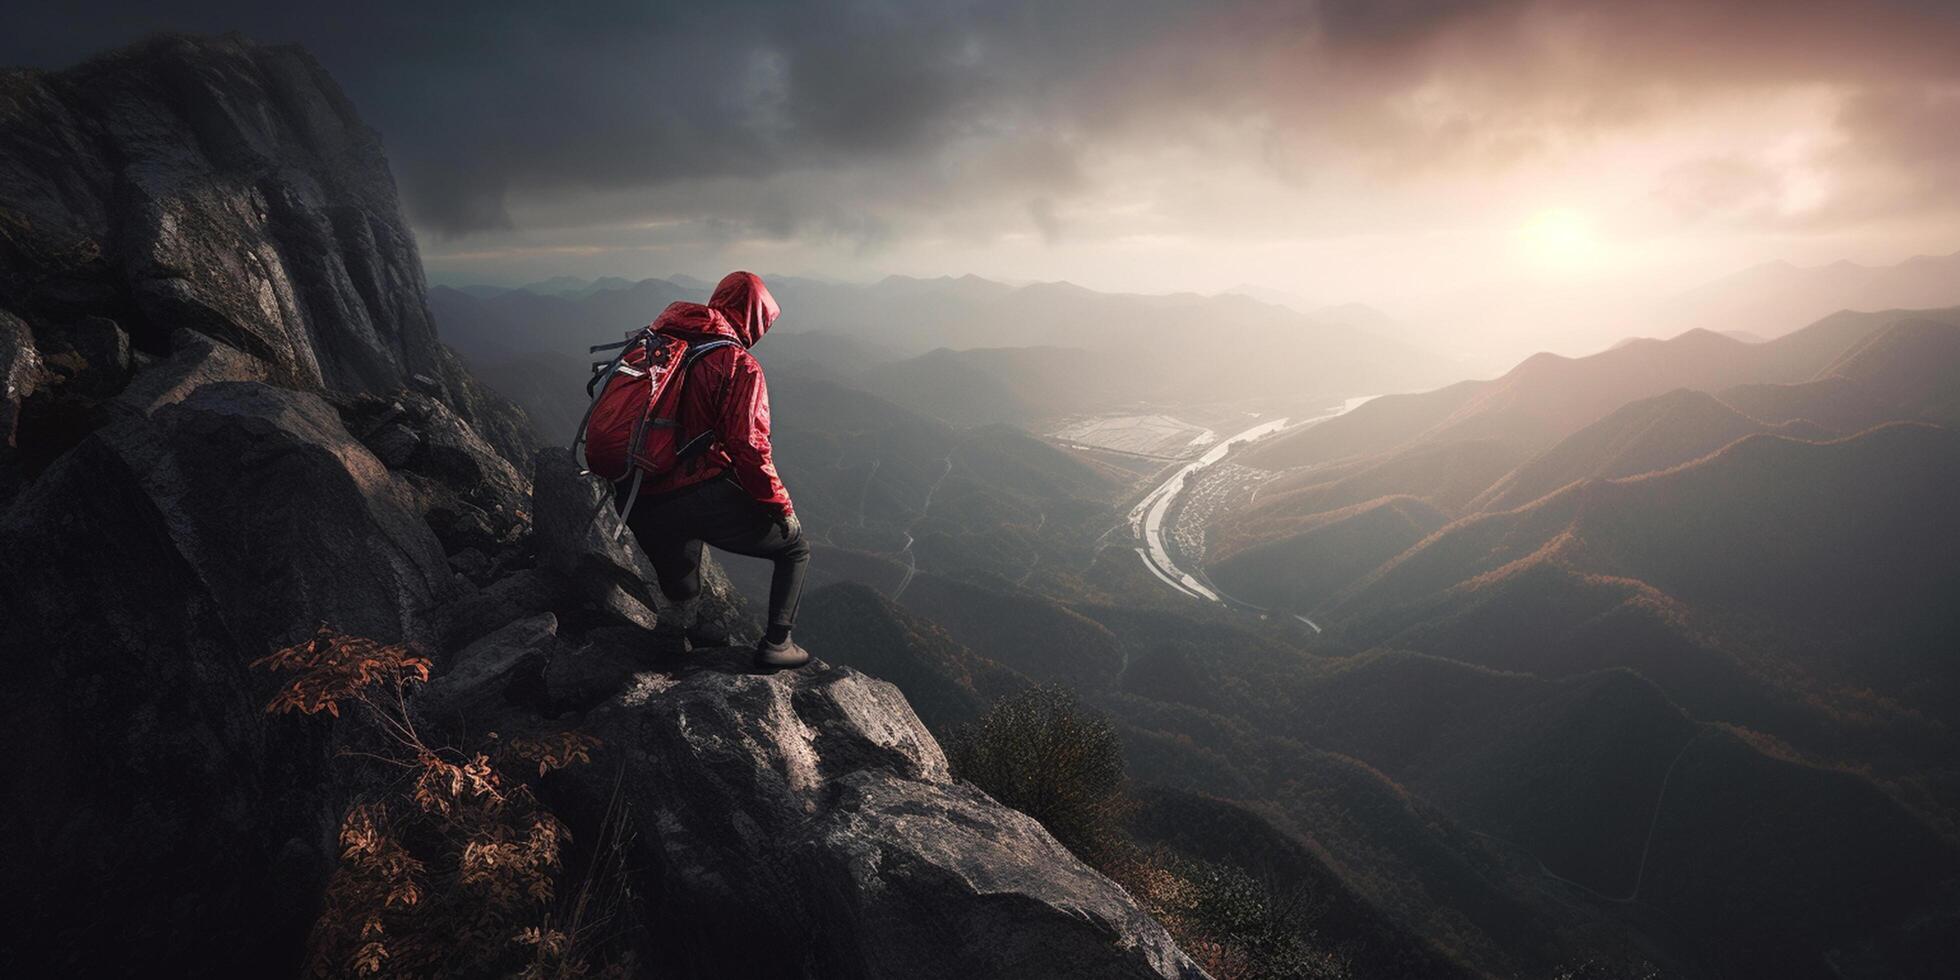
<point>746,305</point>
<point>694,319</point>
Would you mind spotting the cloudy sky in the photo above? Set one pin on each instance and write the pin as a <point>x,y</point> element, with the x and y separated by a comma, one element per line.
<point>1388,151</point>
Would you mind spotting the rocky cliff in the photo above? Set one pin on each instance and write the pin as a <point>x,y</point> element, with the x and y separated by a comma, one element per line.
<point>227,420</point>
<point>215,185</point>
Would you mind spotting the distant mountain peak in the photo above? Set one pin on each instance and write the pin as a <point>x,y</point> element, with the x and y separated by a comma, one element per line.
<point>1775,298</point>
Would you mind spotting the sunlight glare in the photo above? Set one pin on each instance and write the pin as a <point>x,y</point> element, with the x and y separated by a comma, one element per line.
<point>1560,240</point>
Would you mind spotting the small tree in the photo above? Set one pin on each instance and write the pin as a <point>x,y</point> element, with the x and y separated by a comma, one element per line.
<point>457,872</point>
<point>1043,754</point>
<point>1251,929</point>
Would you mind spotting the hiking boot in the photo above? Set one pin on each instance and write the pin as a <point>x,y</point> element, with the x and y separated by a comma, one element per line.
<point>780,656</point>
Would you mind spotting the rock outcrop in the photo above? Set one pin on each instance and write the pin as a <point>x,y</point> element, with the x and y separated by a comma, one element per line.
<point>228,188</point>
<point>808,822</point>
<point>195,361</point>
<point>229,421</point>
<point>475,500</point>
<point>805,824</point>
<point>581,545</point>
<point>151,796</point>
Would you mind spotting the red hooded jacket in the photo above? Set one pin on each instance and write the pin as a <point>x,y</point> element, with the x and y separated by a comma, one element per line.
<point>725,391</point>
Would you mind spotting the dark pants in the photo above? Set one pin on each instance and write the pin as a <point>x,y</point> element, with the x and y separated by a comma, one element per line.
<point>672,528</point>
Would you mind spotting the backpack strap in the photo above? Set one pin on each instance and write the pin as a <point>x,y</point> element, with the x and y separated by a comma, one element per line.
<point>694,351</point>
<point>626,509</point>
<point>695,446</point>
<point>701,440</point>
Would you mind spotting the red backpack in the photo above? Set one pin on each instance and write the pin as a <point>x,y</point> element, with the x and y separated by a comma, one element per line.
<point>632,427</point>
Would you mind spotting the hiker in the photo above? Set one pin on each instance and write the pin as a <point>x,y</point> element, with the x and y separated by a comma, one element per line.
<point>725,492</point>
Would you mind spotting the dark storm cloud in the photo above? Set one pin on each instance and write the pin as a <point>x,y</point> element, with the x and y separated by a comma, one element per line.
<point>735,114</point>
<point>480,100</point>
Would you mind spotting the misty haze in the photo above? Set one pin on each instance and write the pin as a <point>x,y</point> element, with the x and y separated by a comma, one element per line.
<point>1248,490</point>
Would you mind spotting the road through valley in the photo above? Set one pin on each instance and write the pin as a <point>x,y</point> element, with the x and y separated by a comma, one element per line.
<point>1150,518</point>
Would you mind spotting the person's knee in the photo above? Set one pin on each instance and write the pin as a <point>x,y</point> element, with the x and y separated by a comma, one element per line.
<point>797,549</point>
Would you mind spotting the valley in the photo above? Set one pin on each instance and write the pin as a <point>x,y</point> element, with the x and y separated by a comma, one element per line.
<point>1147,518</point>
<point>1530,626</point>
<point>1169,522</point>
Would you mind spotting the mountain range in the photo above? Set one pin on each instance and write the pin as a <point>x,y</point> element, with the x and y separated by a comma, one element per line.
<point>1000,352</point>
<point>1768,300</point>
<point>1761,532</point>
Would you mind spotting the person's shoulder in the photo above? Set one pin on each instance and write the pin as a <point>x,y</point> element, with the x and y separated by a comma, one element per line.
<point>731,355</point>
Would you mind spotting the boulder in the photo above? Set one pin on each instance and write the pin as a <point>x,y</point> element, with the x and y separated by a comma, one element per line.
<point>471,496</point>
<point>195,361</point>
<point>598,565</point>
<point>478,685</point>
<point>583,677</point>
<point>721,610</point>
<point>579,539</point>
<point>140,575</point>
<point>805,824</point>
<point>394,444</point>
<point>448,449</point>
<point>473,565</point>
<point>451,452</point>
<point>471,615</point>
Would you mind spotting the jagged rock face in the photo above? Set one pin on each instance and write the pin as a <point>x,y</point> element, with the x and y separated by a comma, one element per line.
<point>804,824</point>
<point>477,503</point>
<point>580,542</point>
<point>225,187</point>
<point>496,418</point>
<point>155,800</point>
<point>195,361</point>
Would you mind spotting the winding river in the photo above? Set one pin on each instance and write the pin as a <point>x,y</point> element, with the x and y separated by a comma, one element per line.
<point>1148,520</point>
